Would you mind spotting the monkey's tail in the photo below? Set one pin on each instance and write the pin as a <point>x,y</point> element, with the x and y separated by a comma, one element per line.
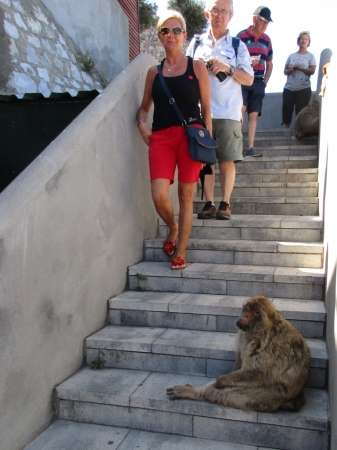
<point>294,404</point>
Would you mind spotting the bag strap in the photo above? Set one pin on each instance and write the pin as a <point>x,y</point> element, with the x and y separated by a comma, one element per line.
<point>235,44</point>
<point>197,40</point>
<point>172,102</point>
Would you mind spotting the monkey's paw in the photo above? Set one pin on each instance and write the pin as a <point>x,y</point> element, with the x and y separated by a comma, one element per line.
<point>175,391</point>
<point>220,383</point>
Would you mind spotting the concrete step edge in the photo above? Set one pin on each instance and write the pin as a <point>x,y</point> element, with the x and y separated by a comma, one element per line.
<point>260,221</point>
<point>66,435</point>
<point>282,200</point>
<point>268,184</point>
<point>259,246</point>
<point>218,345</point>
<point>133,389</point>
<point>212,304</point>
<point>230,272</point>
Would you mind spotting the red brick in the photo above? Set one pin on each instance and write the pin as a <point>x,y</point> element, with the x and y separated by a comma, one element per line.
<point>130,7</point>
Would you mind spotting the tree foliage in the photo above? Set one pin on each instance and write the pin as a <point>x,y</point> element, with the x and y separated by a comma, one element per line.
<point>194,14</point>
<point>147,14</point>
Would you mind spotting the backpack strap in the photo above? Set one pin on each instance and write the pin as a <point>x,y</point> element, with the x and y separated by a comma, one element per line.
<point>197,40</point>
<point>235,44</point>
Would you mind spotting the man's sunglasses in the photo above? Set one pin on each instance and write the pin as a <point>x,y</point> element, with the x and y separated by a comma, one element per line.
<point>165,31</point>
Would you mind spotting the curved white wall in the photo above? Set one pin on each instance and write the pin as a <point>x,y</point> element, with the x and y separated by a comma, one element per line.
<point>100,27</point>
<point>70,225</point>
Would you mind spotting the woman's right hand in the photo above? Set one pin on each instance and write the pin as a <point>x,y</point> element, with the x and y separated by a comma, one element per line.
<point>289,69</point>
<point>298,66</point>
<point>145,131</point>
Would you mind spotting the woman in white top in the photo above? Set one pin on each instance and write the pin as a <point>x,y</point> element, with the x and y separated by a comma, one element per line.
<point>297,90</point>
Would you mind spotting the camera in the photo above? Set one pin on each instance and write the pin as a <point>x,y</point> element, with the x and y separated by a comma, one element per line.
<point>221,76</point>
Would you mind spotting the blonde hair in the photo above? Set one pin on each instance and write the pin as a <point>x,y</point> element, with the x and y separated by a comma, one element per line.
<point>171,14</point>
<point>301,34</point>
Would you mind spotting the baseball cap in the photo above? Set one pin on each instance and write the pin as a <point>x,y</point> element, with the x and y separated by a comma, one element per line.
<point>262,12</point>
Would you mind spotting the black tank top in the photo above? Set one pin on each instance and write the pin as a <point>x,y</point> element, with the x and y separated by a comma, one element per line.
<point>185,90</point>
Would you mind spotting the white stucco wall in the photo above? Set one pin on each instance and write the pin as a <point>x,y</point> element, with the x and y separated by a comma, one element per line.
<point>70,225</point>
<point>100,27</point>
<point>37,56</point>
<point>328,189</point>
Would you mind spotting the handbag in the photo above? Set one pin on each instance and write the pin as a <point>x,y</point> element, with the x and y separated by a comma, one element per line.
<point>202,146</point>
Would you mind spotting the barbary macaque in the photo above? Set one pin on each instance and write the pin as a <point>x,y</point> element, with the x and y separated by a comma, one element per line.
<point>271,368</point>
<point>307,121</point>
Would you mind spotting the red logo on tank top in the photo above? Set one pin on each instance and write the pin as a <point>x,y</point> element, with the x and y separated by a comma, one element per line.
<point>190,77</point>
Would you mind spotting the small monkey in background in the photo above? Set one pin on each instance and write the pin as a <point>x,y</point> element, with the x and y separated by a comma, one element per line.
<point>307,121</point>
<point>271,368</point>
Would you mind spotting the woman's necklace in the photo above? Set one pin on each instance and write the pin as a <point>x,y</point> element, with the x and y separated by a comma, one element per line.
<point>170,68</point>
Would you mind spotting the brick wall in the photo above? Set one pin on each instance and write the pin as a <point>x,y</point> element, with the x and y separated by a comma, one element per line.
<point>130,7</point>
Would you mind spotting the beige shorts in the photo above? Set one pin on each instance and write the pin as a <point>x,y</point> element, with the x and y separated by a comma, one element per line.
<point>228,135</point>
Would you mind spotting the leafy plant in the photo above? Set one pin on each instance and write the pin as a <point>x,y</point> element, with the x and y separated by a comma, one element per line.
<point>97,364</point>
<point>86,61</point>
<point>147,14</point>
<point>140,278</point>
<point>194,14</point>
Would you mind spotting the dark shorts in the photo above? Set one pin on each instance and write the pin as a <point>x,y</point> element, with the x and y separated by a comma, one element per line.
<point>253,95</point>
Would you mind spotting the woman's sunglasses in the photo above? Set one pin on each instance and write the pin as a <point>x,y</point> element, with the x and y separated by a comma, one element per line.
<point>165,31</point>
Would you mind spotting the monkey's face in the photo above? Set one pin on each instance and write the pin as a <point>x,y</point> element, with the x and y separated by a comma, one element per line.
<point>248,318</point>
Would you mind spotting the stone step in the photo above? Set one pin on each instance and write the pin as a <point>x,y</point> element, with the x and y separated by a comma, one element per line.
<point>260,176</point>
<point>137,399</point>
<point>207,312</point>
<point>251,165</point>
<point>284,150</point>
<point>275,175</point>
<point>265,189</point>
<point>279,131</point>
<point>244,252</point>
<point>273,132</point>
<point>278,228</point>
<point>181,351</point>
<point>271,141</point>
<point>303,206</point>
<point>275,165</point>
<point>226,279</point>
<point>69,435</point>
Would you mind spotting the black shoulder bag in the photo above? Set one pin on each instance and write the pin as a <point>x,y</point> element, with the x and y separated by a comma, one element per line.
<point>202,145</point>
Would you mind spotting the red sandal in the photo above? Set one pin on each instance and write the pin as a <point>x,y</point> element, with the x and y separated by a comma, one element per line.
<point>169,247</point>
<point>178,263</point>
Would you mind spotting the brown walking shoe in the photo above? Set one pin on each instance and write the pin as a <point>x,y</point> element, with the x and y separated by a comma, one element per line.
<point>208,212</point>
<point>224,211</point>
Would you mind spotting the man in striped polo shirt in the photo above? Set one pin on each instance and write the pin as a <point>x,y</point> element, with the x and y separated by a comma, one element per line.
<point>261,52</point>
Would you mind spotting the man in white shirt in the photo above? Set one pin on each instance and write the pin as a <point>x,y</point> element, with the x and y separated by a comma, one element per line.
<point>226,100</point>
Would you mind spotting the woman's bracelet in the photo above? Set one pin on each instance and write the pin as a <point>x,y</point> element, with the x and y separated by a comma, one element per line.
<point>140,121</point>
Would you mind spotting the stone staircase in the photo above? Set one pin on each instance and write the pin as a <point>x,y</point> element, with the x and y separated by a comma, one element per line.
<point>177,327</point>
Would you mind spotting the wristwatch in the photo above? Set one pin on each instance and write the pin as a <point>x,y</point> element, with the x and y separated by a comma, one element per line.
<point>231,71</point>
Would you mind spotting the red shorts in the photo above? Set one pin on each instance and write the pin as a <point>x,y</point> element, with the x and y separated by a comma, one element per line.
<point>168,149</point>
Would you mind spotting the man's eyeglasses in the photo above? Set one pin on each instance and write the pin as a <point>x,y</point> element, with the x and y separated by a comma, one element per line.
<point>165,31</point>
<point>219,12</point>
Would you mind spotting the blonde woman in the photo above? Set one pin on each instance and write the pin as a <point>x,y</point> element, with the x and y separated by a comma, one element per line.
<point>188,82</point>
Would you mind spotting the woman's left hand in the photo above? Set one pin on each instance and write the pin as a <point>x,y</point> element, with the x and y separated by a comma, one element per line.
<point>298,66</point>
<point>145,131</point>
